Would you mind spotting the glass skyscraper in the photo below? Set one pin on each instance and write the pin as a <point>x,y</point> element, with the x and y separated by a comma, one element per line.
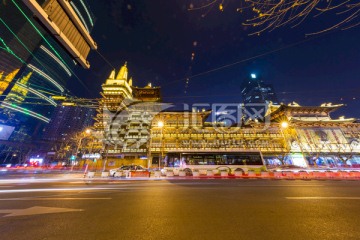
<point>255,90</point>
<point>35,64</point>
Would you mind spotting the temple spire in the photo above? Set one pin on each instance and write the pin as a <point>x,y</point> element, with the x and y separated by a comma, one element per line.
<point>123,73</point>
<point>112,74</point>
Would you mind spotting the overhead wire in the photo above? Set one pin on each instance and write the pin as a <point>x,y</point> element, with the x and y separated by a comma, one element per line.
<point>246,59</point>
<point>103,57</point>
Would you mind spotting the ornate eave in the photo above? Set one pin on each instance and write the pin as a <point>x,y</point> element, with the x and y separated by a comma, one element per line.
<point>284,111</point>
<point>341,121</point>
<point>187,114</point>
<point>323,123</point>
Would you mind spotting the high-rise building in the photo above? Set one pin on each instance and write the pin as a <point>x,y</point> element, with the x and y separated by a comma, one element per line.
<point>41,44</point>
<point>255,90</point>
<point>38,56</point>
<point>67,120</point>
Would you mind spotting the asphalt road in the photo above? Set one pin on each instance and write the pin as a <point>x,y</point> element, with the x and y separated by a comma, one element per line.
<point>179,209</point>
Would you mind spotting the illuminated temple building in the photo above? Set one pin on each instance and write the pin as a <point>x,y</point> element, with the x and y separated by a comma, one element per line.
<point>134,127</point>
<point>123,119</point>
<point>291,134</point>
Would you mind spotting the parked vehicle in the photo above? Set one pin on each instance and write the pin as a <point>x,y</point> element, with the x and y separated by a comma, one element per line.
<point>131,168</point>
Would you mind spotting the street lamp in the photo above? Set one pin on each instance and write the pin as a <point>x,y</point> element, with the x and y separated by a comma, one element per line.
<point>161,125</point>
<point>295,144</point>
<point>284,125</point>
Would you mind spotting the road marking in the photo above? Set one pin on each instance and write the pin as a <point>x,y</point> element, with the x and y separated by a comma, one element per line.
<point>317,185</point>
<point>47,199</point>
<point>55,189</point>
<point>321,198</point>
<point>36,210</point>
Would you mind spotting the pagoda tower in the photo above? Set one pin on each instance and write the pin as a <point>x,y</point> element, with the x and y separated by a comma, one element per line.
<point>123,120</point>
<point>116,89</point>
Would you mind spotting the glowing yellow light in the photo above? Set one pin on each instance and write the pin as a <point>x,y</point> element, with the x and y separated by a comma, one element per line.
<point>58,97</point>
<point>160,124</point>
<point>284,124</point>
<point>68,104</point>
<point>221,7</point>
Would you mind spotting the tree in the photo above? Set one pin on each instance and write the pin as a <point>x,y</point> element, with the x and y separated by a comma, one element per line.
<point>267,15</point>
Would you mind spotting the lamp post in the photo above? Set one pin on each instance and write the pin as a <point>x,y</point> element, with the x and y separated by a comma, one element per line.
<point>106,149</point>
<point>284,125</point>
<point>161,125</point>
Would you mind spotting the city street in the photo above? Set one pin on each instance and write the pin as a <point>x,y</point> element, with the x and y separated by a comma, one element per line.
<point>183,120</point>
<point>74,208</point>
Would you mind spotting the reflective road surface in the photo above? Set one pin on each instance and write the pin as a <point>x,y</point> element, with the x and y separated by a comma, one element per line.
<point>54,208</point>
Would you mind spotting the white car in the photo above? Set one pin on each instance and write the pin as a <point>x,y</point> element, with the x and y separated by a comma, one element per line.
<point>137,168</point>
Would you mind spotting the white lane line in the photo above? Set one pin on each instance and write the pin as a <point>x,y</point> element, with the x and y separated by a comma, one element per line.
<point>56,189</point>
<point>79,182</point>
<point>47,199</point>
<point>317,185</point>
<point>34,180</point>
<point>323,198</point>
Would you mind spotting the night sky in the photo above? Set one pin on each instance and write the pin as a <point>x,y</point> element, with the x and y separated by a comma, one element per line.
<point>157,39</point>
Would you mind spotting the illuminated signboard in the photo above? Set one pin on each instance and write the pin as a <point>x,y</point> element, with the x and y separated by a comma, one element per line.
<point>146,93</point>
<point>91,155</point>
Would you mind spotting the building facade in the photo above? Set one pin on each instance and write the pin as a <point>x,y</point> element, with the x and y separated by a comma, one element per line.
<point>67,120</point>
<point>34,63</point>
<point>38,57</point>
<point>134,127</point>
<point>123,120</point>
<point>305,136</point>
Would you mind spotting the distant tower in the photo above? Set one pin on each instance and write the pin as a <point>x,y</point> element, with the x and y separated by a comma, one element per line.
<point>255,90</point>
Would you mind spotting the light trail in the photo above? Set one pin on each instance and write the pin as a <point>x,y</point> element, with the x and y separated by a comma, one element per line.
<point>56,189</point>
<point>50,199</point>
<point>323,198</point>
